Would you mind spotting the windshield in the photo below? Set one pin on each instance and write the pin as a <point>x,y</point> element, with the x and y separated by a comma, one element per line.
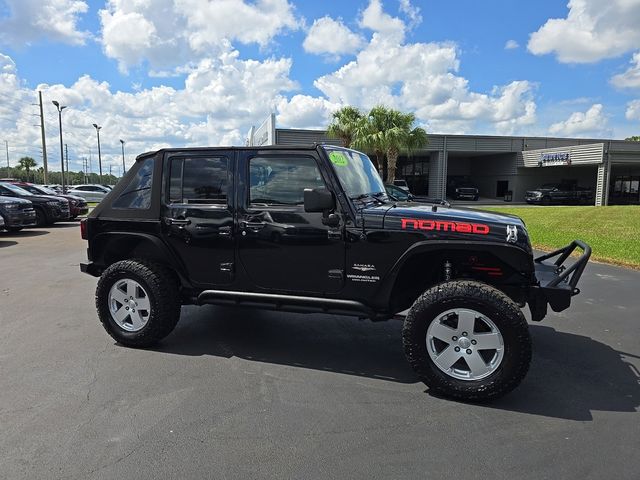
<point>356,173</point>
<point>14,189</point>
<point>45,190</point>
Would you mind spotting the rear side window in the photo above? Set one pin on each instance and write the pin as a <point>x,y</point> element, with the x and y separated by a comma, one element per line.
<point>137,194</point>
<point>282,180</point>
<point>202,180</point>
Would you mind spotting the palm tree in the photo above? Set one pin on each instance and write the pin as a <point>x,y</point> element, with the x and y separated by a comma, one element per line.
<point>26,164</point>
<point>346,124</point>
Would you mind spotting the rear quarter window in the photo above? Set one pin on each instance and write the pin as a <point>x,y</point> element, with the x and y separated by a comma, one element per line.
<point>137,194</point>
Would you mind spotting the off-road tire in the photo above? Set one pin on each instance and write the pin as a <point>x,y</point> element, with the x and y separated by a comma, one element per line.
<point>162,289</point>
<point>489,301</point>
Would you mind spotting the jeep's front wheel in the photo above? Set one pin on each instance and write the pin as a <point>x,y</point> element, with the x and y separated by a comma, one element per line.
<point>467,340</point>
<point>137,302</point>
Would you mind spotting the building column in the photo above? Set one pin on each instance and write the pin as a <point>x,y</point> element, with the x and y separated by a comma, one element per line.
<point>602,181</point>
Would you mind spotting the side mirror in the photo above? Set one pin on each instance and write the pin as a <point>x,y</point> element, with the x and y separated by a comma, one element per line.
<point>318,200</point>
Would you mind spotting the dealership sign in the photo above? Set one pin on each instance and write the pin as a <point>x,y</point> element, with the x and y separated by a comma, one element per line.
<point>554,159</point>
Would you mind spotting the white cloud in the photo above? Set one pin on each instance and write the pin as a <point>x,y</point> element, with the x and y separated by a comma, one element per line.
<point>218,102</point>
<point>511,45</point>
<point>375,18</point>
<point>303,111</point>
<point>593,30</point>
<point>633,110</point>
<point>412,12</point>
<point>422,77</point>
<point>630,78</point>
<point>329,36</point>
<point>593,122</point>
<point>30,21</point>
<point>172,33</point>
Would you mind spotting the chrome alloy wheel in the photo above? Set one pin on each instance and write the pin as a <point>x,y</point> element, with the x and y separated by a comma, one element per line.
<point>465,344</point>
<point>129,305</point>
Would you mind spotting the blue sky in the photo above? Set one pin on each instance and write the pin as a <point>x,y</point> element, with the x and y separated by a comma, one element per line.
<point>194,72</point>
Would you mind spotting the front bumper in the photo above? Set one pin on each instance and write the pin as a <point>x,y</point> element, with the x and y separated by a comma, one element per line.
<point>21,218</point>
<point>79,210</point>
<point>557,282</point>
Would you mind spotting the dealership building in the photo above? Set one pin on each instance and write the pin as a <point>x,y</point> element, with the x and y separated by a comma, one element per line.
<point>500,166</point>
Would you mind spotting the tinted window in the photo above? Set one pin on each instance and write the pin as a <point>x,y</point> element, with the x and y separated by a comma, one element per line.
<point>282,180</point>
<point>137,194</point>
<point>198,180</point>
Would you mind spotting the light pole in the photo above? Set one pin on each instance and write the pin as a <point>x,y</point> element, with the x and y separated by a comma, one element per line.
<point>60,108</point>
<point>123,167</point>
<point>99,154</point>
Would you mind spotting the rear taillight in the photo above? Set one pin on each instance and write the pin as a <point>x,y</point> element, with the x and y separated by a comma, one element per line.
<point>83,229</point>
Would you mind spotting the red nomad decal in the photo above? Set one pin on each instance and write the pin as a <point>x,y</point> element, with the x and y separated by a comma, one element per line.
<point>442,225</point>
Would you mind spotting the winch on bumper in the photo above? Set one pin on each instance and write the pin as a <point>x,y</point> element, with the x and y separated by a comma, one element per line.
<point>557,282</point>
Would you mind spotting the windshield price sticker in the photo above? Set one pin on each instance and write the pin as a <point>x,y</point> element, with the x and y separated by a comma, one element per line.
<point>339,159</point>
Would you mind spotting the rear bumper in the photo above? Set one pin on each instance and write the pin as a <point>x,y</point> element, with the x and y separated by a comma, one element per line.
<point>90,269</point>
<point>557,282</point>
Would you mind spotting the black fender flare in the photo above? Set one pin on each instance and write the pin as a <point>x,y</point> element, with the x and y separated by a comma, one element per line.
<point>102,240</point>
<point>513,256</point>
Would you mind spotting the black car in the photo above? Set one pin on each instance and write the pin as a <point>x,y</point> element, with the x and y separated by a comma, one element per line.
<point>462,189</point>
<point>559,194</point>
<point>311,229</point>
<point>16,213</point>
<point>49,209</point>
<point>77,205</point>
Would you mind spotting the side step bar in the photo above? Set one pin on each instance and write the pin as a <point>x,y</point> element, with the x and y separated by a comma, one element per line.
<point>289,303</point>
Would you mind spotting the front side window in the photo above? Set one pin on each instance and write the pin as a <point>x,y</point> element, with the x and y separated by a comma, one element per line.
<point>137,194</point>
<point>203,180</point>
<point>282,180</point>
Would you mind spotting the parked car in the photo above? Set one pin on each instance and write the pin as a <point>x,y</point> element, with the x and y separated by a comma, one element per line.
<point>462,189</point>
<point>16,213</point>
<point>77,205</point>
<point>401,184</point>
<point>187,226</point>
<point>91,193</point>
<point>49,209</point>
<point>559,193</point>
<point>397,193</point>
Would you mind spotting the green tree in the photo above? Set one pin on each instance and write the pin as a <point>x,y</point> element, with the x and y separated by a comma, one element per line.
<point>26,164</point>
<point>346,125</point>
<point>635,138</point>
<point>391,132</point>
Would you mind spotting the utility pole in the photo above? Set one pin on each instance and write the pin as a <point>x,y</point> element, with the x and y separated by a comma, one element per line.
<point>110,171</point>
<point>60,108</point>
<point>6,144</point>
<point>44,142</point>
<point>97,127</point>
<point>123,167</point>
<point>66,154</point>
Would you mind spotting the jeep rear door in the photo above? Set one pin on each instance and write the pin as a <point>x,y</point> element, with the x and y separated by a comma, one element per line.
<point>197,213</point>
<point>280,246</point>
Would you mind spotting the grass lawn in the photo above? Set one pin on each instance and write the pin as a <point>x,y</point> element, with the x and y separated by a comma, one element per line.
<point>613,232</point>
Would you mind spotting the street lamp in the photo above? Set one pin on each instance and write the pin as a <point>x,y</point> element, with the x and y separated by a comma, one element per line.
<point>60,108</point>
<point>123,167</point>
<point>99,154</point>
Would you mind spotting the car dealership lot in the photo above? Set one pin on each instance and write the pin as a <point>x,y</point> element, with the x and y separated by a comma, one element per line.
<point>256,394</point>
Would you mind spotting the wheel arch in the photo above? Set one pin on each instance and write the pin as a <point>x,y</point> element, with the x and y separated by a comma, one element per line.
<point>110,247</point>
<point>422,266</point>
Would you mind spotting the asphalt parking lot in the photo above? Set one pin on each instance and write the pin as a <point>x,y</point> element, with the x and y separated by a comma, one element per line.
<point>254,394</point>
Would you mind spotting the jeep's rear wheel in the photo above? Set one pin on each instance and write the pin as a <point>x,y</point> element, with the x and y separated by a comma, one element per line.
<point>137,302</point>
<point>467,340</point>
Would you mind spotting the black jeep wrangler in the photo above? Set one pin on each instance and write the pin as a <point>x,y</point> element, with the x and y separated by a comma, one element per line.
<point>311,229</point>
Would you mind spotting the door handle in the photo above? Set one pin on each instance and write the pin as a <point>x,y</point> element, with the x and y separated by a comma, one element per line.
<point>253,226</point>
<point>177,221</point>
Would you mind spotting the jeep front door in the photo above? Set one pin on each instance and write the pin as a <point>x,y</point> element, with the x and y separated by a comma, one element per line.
<point>281,247</point>
<point>197,214</point>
